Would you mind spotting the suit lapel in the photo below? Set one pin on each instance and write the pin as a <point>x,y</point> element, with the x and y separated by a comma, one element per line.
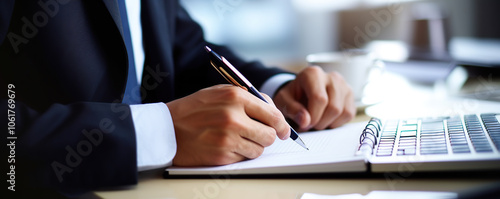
<point>114,11</point>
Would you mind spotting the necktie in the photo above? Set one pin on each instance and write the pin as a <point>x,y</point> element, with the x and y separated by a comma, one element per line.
<point>132,90</point>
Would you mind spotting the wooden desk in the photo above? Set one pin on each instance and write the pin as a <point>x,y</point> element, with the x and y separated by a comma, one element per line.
<point>152,185</point>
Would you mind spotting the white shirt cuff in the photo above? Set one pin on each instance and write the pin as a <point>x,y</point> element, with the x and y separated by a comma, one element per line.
<point>272,84</point>
<point>155,135</point>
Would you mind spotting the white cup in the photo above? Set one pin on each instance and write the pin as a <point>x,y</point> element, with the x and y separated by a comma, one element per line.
<point>354,65</point>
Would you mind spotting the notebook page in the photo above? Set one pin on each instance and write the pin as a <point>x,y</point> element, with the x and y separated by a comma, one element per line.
<point>327,141</point>
<point>325,146</point>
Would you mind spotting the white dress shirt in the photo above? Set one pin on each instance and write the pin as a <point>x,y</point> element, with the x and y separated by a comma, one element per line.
<point>155,134</point>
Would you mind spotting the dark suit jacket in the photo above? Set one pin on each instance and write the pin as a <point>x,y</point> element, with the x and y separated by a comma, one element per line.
<point>68,63</point>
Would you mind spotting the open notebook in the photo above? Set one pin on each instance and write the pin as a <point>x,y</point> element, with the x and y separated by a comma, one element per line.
<point>455,143</point>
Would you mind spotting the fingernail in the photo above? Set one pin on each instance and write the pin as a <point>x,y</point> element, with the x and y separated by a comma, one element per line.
<point>286,135</point>
<point>299,118</point>
<point>309,127</point>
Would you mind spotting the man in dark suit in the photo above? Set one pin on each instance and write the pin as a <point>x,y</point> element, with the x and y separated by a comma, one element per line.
<point>78,126</point>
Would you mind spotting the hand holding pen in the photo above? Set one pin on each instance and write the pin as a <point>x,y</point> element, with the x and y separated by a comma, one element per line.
<point>223,124</point>
<point>233,76</point>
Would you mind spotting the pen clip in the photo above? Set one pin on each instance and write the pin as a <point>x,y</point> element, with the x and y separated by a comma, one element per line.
<point>227,76</point>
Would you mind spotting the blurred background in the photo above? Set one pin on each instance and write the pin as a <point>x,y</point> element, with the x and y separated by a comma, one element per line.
<point>436,43</point>
<point>281,31</point>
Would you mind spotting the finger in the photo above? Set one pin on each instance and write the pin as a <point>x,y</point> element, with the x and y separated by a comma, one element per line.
<point>249,149</point>
<point>317,97</point>
<point>294,109</point>
<point>337,99</point>
<point>330,115</point>
<point>246,142</point>
<point>267,114</point>
<point>268,99</point>
<point>348,113</point>
<point>223,158</point>
<point>257,132</point>
<point>227,147</point>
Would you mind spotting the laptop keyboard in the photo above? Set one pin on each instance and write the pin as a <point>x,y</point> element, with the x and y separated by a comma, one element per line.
<point>458,139</point>
<point>492,126</point>
<point>444,135</point>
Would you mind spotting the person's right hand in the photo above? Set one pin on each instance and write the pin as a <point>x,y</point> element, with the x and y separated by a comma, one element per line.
<point>224,124</point>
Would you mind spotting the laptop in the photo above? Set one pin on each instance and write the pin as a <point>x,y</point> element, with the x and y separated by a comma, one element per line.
<point>466,142</point>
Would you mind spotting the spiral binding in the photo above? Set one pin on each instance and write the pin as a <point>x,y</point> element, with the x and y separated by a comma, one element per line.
<point>368,138</point>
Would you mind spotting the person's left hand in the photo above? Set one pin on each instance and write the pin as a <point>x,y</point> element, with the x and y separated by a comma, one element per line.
<point>316,100</point>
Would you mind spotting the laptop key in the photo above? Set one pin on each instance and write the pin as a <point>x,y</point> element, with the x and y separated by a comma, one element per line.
<point>407,151</point>
<point>461,150</point>
<point>432,152</point>
<point>384,152</point>
<point>483,150</point>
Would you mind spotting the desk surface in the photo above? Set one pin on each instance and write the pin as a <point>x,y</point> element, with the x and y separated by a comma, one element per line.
<point>152,185</point>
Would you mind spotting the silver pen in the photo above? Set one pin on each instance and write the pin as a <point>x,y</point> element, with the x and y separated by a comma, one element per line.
<point>233,76</point>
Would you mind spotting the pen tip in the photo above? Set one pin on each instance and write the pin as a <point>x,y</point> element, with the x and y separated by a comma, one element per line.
<point>301,143</point>
<point>207,49</point>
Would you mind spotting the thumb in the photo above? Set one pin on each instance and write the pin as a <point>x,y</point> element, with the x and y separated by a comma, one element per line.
<point>286,134</point>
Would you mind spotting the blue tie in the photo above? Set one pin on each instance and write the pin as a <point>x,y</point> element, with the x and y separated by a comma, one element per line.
<point>132,90</point>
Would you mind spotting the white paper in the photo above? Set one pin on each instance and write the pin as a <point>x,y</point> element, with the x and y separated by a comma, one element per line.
<point>387,195</point>
<point>326,148</point>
